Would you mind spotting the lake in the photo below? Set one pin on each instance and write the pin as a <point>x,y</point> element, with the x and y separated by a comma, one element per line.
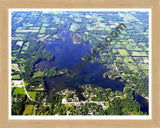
<point>68,55</point>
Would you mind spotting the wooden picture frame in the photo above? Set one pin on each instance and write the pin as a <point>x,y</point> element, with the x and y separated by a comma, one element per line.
<point>5,5</point>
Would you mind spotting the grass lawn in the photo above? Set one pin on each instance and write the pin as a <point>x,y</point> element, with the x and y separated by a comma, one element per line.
<point>43,29</point>
<point>123,52</point>
<point>38,74</point>
<point>19,90</point>
<point>28,110</point>
<point>16,77</point>
<point>32,94</point>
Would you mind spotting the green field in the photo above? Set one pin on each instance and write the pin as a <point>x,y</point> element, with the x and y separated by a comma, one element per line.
<point>16,77</point>
<point>38,74</point>
<point>19,90</point>
<point>43,29</point>
<point>28,110</point>
<point>32,94</point>
<point>123,52</point>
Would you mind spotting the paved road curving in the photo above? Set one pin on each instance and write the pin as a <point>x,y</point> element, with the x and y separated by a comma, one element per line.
<point>24,85</point>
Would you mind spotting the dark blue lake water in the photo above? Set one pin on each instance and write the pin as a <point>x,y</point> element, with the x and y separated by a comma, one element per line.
<point>68,55</point>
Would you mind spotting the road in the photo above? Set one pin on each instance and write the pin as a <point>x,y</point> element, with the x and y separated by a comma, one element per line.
<point>23,85</point>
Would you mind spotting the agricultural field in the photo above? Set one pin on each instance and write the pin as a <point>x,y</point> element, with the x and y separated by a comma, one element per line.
<point>123,52</point>
<point>28,110</point>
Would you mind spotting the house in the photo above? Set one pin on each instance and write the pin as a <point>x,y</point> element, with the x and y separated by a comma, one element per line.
<point>64,101</point>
